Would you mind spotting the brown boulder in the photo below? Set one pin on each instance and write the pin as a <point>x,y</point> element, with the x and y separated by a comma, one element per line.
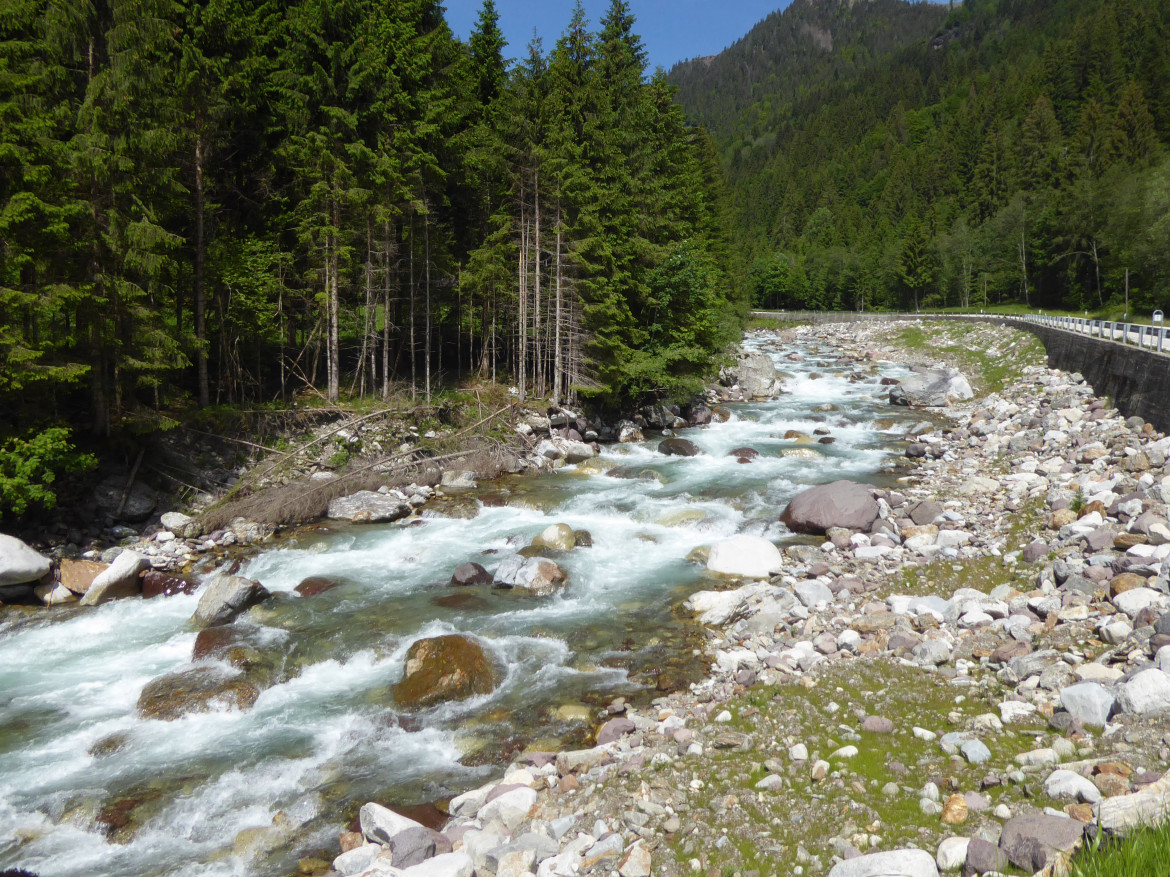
<point>744,455</point>
<point>161,584</point>
<point>314,585</point>
<point>678,447</point>
<point>215,642</point>
<point>840,504</point>
<point>471,574</point>
<point>198,690</point>
<point>78,575</point>
<point>442,669</point>
<point>1127,581</point>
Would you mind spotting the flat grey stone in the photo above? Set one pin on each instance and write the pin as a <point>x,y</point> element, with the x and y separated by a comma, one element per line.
<point>1089,702</point>
<point>975,751</point>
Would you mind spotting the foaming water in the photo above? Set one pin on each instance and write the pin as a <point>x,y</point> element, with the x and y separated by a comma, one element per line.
<point>87,786</point>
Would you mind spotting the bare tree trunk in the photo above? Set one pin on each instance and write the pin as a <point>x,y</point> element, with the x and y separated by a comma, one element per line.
<point>200,279</point>
<point>522,334</point>
<point>1024,264</point>
<point>558,365</point>
<point>427,274</point>
<point>1097,271</point>
<point>334,305</point>
<point>538,371</point>
<point>388,242</point>
<point>413,359</point>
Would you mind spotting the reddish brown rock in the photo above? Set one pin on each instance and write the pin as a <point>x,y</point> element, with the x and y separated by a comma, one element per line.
<point>215,642</point>
<point>156,583</point>
<point>315,585</point>
<point>78,575</point>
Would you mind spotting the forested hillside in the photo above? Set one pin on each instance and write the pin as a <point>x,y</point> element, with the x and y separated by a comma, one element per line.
<point>1015,152</point>
<point>227,201</point>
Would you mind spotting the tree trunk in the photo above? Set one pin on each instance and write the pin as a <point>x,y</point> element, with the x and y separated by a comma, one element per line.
<point>413,358</point>
<point>334,306</point>
<point>538,371</point>
<point>522,334</point>
<point>427,282</point>
<point>558,366</point>
<point>200,280</point>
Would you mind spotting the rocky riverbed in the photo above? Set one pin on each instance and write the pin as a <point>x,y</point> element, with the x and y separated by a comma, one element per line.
<point>971,683</point>
<point>961,670</point>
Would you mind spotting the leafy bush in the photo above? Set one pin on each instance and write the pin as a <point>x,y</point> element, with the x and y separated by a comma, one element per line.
<point>29,468</point>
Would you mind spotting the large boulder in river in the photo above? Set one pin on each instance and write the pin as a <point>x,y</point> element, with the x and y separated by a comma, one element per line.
<point>750,557</point>
<point>445,668</point>
<point>754,373</point>
<point>537,575</point>
<point>931,387</point>
<point>198,690</point>
<point>19,564</point>
<point>557,537</point>
<point>368,507</point>
<point>470,574</point>
<point>123,578</point>
<point>844,504</point>
<point>678,447</point>
<point>226,598</point>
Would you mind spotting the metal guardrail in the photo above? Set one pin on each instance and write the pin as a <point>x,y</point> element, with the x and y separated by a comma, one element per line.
<point>1155,339</point>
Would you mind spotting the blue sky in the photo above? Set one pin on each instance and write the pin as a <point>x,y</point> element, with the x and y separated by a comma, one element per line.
<point>673,30</point>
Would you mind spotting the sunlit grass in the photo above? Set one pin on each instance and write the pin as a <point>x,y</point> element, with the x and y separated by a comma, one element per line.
<point>1145,852</point>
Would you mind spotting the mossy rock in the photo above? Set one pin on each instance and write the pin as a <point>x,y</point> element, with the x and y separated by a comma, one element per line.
<point>442,669</point>
<point>199,690</point>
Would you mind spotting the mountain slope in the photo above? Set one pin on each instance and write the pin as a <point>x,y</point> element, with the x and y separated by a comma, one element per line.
<point>791,52</point>
<point>1013,151</point>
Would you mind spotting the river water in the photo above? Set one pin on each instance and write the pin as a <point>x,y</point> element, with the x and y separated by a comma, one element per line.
<point>87,787</point>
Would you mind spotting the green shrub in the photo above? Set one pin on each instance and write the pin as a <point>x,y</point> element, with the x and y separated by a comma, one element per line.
<point>29,468</point>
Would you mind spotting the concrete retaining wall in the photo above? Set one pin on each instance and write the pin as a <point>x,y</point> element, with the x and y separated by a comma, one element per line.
<point>1138,381</point>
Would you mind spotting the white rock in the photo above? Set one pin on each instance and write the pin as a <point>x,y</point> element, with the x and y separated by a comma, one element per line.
<point>120,579</point>
<point>357,860</point>
<point>19,564</point>
<point>1037,757</point>
<point>897,863</point>
<point>1069,784</point>
<point>1133,602</point>
<point>510,809</point>
<point>446,865</point>
<point>1162,659</point>
<point>718,608</point>
<point>799,752</point>
<point>813,594</point>
<point>952,853</point>
<point>746,556</point>
<point>1089,702</point>
<point>379,823</point>
<point>1146,693</point>
<point>1013,711</point>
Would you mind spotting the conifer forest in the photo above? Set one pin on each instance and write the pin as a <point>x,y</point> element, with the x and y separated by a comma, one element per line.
<point>889,155</point>
<point>216,202</point>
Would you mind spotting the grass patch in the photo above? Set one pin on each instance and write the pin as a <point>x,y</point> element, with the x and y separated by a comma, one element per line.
<point>1145,852</point>
<point>989,369</point>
